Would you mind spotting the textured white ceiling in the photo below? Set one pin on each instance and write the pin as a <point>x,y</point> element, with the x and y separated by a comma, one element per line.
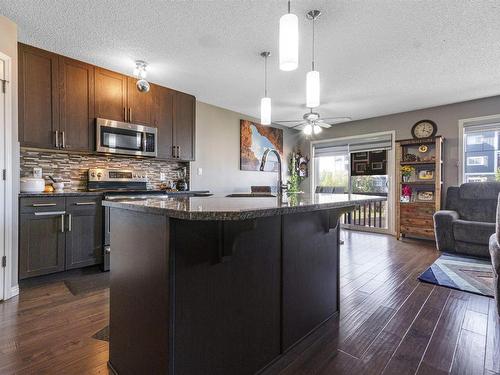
<point>375,57</point>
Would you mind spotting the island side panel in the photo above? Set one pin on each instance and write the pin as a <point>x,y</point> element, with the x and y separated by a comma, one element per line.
<point>310,273</point>
<point>139,293</point>
<point>227,295</point>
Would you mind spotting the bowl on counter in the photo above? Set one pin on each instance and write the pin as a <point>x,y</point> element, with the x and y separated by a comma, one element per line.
<point>32,185</point>
<point>58,186</point>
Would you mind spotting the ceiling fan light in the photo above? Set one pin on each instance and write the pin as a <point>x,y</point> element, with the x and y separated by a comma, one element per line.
<point>317,129</point>
<point>289,42</point>
<point>308,129</point>
<point>265,111</point>
<point>312,89</point>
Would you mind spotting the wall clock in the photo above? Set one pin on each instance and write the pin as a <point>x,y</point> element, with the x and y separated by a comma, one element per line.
<point>424,129</point>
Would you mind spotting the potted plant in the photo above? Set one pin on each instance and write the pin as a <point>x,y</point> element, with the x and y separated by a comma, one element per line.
<point>406,172</point>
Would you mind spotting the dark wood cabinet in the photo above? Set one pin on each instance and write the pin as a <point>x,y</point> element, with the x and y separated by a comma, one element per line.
<point>83,232</point>
<point>163,120</point>
<point>76,105</point>
<point>58,234</point>
<point>41,243</point>
<point>110,95</point>
<point>184,113</point>
<point>59,99</point>
<point>140,104</point>
<point>38,97</point>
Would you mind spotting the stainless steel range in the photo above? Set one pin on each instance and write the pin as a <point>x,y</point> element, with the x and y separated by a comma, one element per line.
<point>124,184</point>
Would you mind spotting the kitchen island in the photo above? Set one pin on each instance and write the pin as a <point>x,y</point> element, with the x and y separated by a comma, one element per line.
<point>219,285</point>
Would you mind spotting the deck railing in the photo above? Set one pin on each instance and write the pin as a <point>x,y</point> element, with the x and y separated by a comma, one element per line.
<point>371,214</point>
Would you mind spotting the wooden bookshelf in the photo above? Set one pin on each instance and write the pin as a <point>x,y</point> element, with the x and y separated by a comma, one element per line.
<point>415,218</point>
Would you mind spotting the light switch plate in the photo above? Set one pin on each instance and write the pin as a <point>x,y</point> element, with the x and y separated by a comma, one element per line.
<point>200,171</point>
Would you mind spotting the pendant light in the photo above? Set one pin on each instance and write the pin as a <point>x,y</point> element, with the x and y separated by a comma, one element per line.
<point>312,77</point>
<point>289,41</point>
<point>265,102</point>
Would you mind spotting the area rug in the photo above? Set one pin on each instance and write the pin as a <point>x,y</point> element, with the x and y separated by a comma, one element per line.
<point>463,273</point>
<point>88,283</point>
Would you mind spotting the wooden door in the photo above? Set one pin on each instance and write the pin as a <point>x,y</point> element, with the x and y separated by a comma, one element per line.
<point>38,97</point>
<point>227,292</point>
<point>184,125</point>
<point>77,119</point>
<point>41,244</point>
<point>139,104</point>
<point>83,232</point>
<point>163,117</point>
<point>110,95</point>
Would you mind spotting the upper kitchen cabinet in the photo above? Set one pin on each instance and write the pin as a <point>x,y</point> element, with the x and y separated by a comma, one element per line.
<point>163,120</point>
<point>76,105</point>
<point>110,95</point>
<point>184,113</point>
<point>139,104</point>
<point>38,98</point>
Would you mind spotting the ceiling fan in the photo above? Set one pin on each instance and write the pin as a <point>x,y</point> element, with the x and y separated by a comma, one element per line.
<point>313,123</point>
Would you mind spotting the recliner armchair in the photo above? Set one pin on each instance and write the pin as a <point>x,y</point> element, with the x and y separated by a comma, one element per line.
<point>468,222</point>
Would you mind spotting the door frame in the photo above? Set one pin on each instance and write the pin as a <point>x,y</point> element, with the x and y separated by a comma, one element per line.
<point>391,168</point>
<point>6,162</point>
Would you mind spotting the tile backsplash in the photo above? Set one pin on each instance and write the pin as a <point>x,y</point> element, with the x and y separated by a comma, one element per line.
<point>72,168</point>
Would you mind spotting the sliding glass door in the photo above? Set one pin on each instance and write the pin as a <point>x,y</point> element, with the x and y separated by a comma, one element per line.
<point>361,166</point>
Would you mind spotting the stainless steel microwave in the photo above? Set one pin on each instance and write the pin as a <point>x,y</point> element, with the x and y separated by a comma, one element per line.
<point>123,138</point>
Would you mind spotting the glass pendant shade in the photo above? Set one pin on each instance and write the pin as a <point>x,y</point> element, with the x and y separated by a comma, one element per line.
<point>317,129</point>
<point>289,42</point>
<point>308,129</point>
<point>265,111</point>
<point>312,89</point>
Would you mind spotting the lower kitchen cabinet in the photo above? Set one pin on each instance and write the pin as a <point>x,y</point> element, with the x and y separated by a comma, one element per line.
<point>83,233</point>
<point>41,244</point>
<point>58,234</point>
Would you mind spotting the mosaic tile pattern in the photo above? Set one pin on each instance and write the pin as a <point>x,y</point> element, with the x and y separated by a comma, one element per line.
<point>72,168</point>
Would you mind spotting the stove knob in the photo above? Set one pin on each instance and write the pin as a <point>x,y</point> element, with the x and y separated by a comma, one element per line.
<point>99,175</point>
<point>92,174</point>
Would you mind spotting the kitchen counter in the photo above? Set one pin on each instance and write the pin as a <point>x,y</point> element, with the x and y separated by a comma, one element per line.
<point>221,285</point>
<point>239,208</point>
<point>69,193</point>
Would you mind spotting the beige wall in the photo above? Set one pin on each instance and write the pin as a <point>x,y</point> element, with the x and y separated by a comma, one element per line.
<point>218,152</point>
<point>8,46</point>
<point>446,118</point>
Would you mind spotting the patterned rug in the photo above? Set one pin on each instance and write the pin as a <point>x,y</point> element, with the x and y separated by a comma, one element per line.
<point>463,273</point>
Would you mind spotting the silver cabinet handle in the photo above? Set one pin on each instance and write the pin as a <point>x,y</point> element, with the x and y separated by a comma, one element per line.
<point>173,151</point>
<point>125,114</point>
<point>70,222</point>
<point>62,222</point>
<point>130,114</point>
<point>178,152</point>
<point>44,204</point>
<point>57,138</point>
<point>49,213</point>
<point>85,204</point>
<point>63,140</point>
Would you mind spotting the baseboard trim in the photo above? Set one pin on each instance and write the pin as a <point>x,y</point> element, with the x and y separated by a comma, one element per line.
<point>14,291</point>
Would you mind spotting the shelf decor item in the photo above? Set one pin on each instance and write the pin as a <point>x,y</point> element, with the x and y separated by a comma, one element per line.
<point>419,170</point>
<point>424,129</point>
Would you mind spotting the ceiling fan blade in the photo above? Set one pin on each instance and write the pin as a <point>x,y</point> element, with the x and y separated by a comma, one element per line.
<point>288,121</point>
<point>324,125</point>
<point>336,120</point>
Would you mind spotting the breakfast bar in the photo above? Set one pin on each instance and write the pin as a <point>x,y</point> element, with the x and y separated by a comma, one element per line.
<point>220,285</point>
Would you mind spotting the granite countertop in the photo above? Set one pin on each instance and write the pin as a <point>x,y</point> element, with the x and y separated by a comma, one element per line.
<point>69,193</point>
<point>240,208</point>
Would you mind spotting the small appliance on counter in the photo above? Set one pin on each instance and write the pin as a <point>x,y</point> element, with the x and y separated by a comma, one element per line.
<point>32,185</point>
<point>181,184</point>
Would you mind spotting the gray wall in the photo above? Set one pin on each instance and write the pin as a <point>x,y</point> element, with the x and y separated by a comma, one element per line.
<point>8,46</point>
<point>218,152</point>
<point>446,118</point>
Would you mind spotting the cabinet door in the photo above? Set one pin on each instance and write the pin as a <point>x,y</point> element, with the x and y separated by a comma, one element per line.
<point>163,102</point>
<point>227,292</point>
<point>110,95</point>
<point>38,97</point>
<point>83,232</point>
<point>184,125</point>
<point>41,244</point>
<point>139,104</point>
<point>76,105</point>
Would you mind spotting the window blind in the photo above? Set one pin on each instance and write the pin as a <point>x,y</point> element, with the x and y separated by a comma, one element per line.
<point>335,147</point>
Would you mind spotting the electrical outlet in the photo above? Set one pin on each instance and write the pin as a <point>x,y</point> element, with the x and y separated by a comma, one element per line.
<point>200,171</point>
<point>163,176</point>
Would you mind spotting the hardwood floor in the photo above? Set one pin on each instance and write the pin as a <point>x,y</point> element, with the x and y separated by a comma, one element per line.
<point>390,323</point>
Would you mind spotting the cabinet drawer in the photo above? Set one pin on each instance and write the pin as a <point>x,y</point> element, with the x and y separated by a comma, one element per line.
<point>426,222</point>
<point>83,203</point>
<point>417,231</point>
<point>420,211</point>
<point>42,204</point>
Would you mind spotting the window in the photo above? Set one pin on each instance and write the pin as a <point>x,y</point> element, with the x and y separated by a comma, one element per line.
<point>477,160</point>
<point>480,149</point>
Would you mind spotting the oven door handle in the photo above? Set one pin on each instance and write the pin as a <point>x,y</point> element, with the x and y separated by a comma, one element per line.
<point>144,141</point>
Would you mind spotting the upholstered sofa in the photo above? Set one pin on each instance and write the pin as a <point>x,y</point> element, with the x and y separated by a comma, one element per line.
<point>468,222</point>
<point>495,258</point>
